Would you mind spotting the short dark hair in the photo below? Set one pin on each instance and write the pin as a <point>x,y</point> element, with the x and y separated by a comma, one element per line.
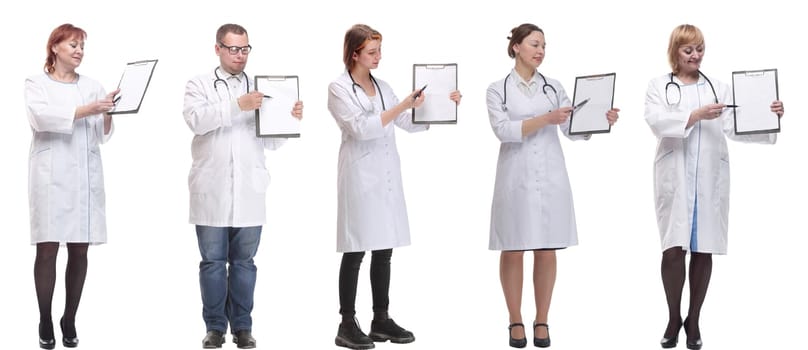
<point>229,28</point>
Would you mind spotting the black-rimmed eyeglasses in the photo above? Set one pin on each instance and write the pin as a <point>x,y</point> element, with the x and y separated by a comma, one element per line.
<point>234,50</point>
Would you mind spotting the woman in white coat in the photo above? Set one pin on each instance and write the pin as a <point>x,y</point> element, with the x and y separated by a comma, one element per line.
<point>371,212</point>
<point>68,117</point>
<point>532,208</point>
<point>688,114</point>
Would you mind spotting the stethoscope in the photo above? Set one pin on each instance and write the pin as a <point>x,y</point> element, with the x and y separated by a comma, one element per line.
<point>679,89</point>
<point>378,89</point>
<point>220,80</point>
<point>543,89</point>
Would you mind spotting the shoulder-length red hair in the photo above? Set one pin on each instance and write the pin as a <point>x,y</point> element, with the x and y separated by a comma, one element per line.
<point>63,32</point>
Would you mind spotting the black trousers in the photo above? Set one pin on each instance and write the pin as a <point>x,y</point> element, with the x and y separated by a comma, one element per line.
<point>379,282</point>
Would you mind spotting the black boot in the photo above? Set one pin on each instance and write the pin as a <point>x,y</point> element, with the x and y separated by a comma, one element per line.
<point>349,335</point>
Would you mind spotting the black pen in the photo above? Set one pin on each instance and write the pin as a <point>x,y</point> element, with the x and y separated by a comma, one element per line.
<point>419,92</point>
<point>267,96</point>
<point>731,106</point>
<point>116,99</point>
<point>580,104</point>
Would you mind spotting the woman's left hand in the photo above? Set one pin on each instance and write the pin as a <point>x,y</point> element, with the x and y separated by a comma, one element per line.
<point>777,108</point>
<point>456,96</point>
<point>612,116</point>
<point>297,110</point>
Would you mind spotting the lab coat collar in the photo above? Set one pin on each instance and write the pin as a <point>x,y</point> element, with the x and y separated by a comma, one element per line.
<point>518,78</point>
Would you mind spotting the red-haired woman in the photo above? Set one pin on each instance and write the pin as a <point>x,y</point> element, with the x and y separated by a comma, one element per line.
<point>69,119</point>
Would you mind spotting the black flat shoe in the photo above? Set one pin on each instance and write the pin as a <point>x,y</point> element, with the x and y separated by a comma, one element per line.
<point>213,340</point>
<point>671,342</point>
<point>46,340</point>
<point>244,339</point>
<point>692,344</point>
<point>69,338</point>
<point>513,342</point>
<point>541,342</point>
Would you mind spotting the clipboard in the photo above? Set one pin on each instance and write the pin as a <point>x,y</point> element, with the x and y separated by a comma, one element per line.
<point>592,98</point>
<point>440,80</point>
<point>753,91</point>
<point>133,84</point>
<point>274,118</point>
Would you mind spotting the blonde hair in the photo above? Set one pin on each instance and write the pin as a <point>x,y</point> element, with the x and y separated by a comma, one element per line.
<point>682,35</point>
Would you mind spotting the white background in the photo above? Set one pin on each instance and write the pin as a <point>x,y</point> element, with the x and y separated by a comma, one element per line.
<point>142,289</point>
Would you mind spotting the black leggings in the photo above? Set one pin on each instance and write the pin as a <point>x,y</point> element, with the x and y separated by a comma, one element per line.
<point>379,283</point>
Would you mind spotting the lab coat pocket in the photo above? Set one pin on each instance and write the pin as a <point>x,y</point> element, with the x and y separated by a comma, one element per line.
<point>723,184</point>
<point>260,180</point>
<point>96,173</point>
<point>664,175</point>
<point>39,171</point>
<point>200,180</point>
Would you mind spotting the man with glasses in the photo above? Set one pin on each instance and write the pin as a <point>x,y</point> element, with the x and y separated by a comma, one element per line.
<point>227,183</point>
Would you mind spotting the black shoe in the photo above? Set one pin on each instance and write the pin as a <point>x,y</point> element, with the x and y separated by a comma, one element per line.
<point>387,329</point>
<point>46,340</point>
<point>668,342</point>
<point>516,343</point>
<point>213,340</point>
<point>349,335</point>
<point>695,342</point>
<point>244,339</point>
<point>69,338</point>
<point>541,342</point>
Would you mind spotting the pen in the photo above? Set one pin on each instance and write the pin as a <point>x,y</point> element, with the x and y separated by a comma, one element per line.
<point>731,106</point>
<point>267,96</point>
<point>116,99</point>
<point>419,92</point>
<point>580,104</point>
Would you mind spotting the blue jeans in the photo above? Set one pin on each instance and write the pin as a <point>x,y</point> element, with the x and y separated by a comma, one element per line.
<point>227,292</point>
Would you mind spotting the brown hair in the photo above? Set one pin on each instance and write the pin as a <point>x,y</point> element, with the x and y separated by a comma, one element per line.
<point>519,34</point>
<point>682,35</point>
<point>355,40</point>
<point>229,28</point>
<point>61,33</point>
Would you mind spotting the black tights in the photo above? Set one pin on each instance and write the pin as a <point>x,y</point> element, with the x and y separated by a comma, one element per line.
<point>379,283</point>
<point>673,279</point>
<point>45,280</point>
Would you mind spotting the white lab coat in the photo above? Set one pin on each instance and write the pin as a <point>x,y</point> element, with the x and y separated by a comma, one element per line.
<point>692,163</point>
<point>532,206</point>
<point>65,177</point>
<point>371,212</point>
<point>228,178</point>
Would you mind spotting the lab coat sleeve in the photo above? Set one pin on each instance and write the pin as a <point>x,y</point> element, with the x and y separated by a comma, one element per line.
<point>404,120</point>
<point>505,129</point>
<point>105,137</point>
<point>352,119</point>
<point>204,113</point>
<point>663,120</point>
<point>564,101</point>
<point>98,122</point>
<point>273,143</point>
<point>43,116</point>
<point>729,123</point>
